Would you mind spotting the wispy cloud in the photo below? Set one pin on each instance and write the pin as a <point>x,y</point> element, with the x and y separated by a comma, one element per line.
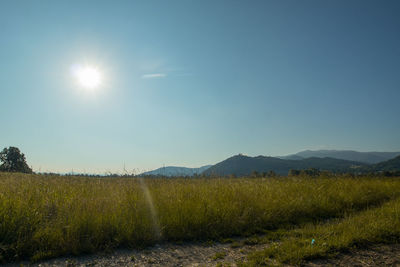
<point>154,75</point>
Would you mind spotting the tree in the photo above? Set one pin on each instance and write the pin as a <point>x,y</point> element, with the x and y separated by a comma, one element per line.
<point>310,172</point>
<point>13,161</point>
<point>293,172</point>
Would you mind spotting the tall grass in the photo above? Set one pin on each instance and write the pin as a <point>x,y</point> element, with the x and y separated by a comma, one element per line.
<point>376,225</point>
<point>43,217</point>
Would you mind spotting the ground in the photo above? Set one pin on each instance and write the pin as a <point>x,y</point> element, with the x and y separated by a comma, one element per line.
<point>377,255</point>
<point>222,254</point>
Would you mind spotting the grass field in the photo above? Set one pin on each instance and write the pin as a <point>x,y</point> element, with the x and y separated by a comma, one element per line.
<point>44,216</point>
<point>372,226</point>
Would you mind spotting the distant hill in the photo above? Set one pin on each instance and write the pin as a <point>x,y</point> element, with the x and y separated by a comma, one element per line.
<point>366,157</point>
<point>241,165</point>
<point>176,171</point>
<point>389,165</point>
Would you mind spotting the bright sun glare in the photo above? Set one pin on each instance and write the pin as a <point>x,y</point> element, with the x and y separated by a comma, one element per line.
<point>87,76</point>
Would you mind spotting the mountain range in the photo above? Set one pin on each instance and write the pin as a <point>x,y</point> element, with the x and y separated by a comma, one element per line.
<point>365,157</point>
<point>330,160</point>
<point>241,165</point>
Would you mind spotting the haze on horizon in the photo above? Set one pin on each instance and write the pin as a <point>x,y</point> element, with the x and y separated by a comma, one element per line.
<point>93,85</point>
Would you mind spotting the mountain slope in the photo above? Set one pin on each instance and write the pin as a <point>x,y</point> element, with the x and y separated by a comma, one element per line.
<point>176,171</point>
<point>241,165</point>
<point>366,157</point>
<point>389,165</point>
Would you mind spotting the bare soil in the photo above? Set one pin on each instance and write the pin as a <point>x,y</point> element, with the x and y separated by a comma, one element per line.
<point>195,254</point>
<point>377,255</point>
<point>188,254</point>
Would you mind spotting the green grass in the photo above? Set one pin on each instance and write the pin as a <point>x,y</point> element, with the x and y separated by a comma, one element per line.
<point>219,256</point>
<point>376,225</point>
<point>42,217</point>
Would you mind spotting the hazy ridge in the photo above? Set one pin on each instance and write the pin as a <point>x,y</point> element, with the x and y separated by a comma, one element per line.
<point>365,157</point>
<point>176,171</point>
<point>329,160</point>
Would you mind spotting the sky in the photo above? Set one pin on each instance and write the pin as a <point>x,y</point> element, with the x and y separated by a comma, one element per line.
<point>190,82</point>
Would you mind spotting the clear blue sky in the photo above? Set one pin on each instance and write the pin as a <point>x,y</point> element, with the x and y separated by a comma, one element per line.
<point>190,83</point>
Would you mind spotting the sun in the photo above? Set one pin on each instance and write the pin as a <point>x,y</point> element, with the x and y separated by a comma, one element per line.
<point>88,77</point>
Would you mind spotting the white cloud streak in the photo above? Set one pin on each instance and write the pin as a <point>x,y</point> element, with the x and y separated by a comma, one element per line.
<point>154,75</point>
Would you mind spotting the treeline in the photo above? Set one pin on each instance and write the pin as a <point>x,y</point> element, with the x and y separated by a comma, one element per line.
<point>313,172</point>
<point>316,173</point>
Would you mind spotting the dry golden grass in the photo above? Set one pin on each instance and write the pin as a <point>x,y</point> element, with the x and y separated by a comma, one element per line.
<point>42,216</point>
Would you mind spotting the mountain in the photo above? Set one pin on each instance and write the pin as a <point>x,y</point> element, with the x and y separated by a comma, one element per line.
<point>176,171</point>
<point>389,165</point>
<point>241,165</point>
<point>365,157</point>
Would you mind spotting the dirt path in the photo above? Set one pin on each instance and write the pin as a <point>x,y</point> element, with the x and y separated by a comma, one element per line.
<point>160,255</point>
<point>217,254</point>
<point>378,255</point>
